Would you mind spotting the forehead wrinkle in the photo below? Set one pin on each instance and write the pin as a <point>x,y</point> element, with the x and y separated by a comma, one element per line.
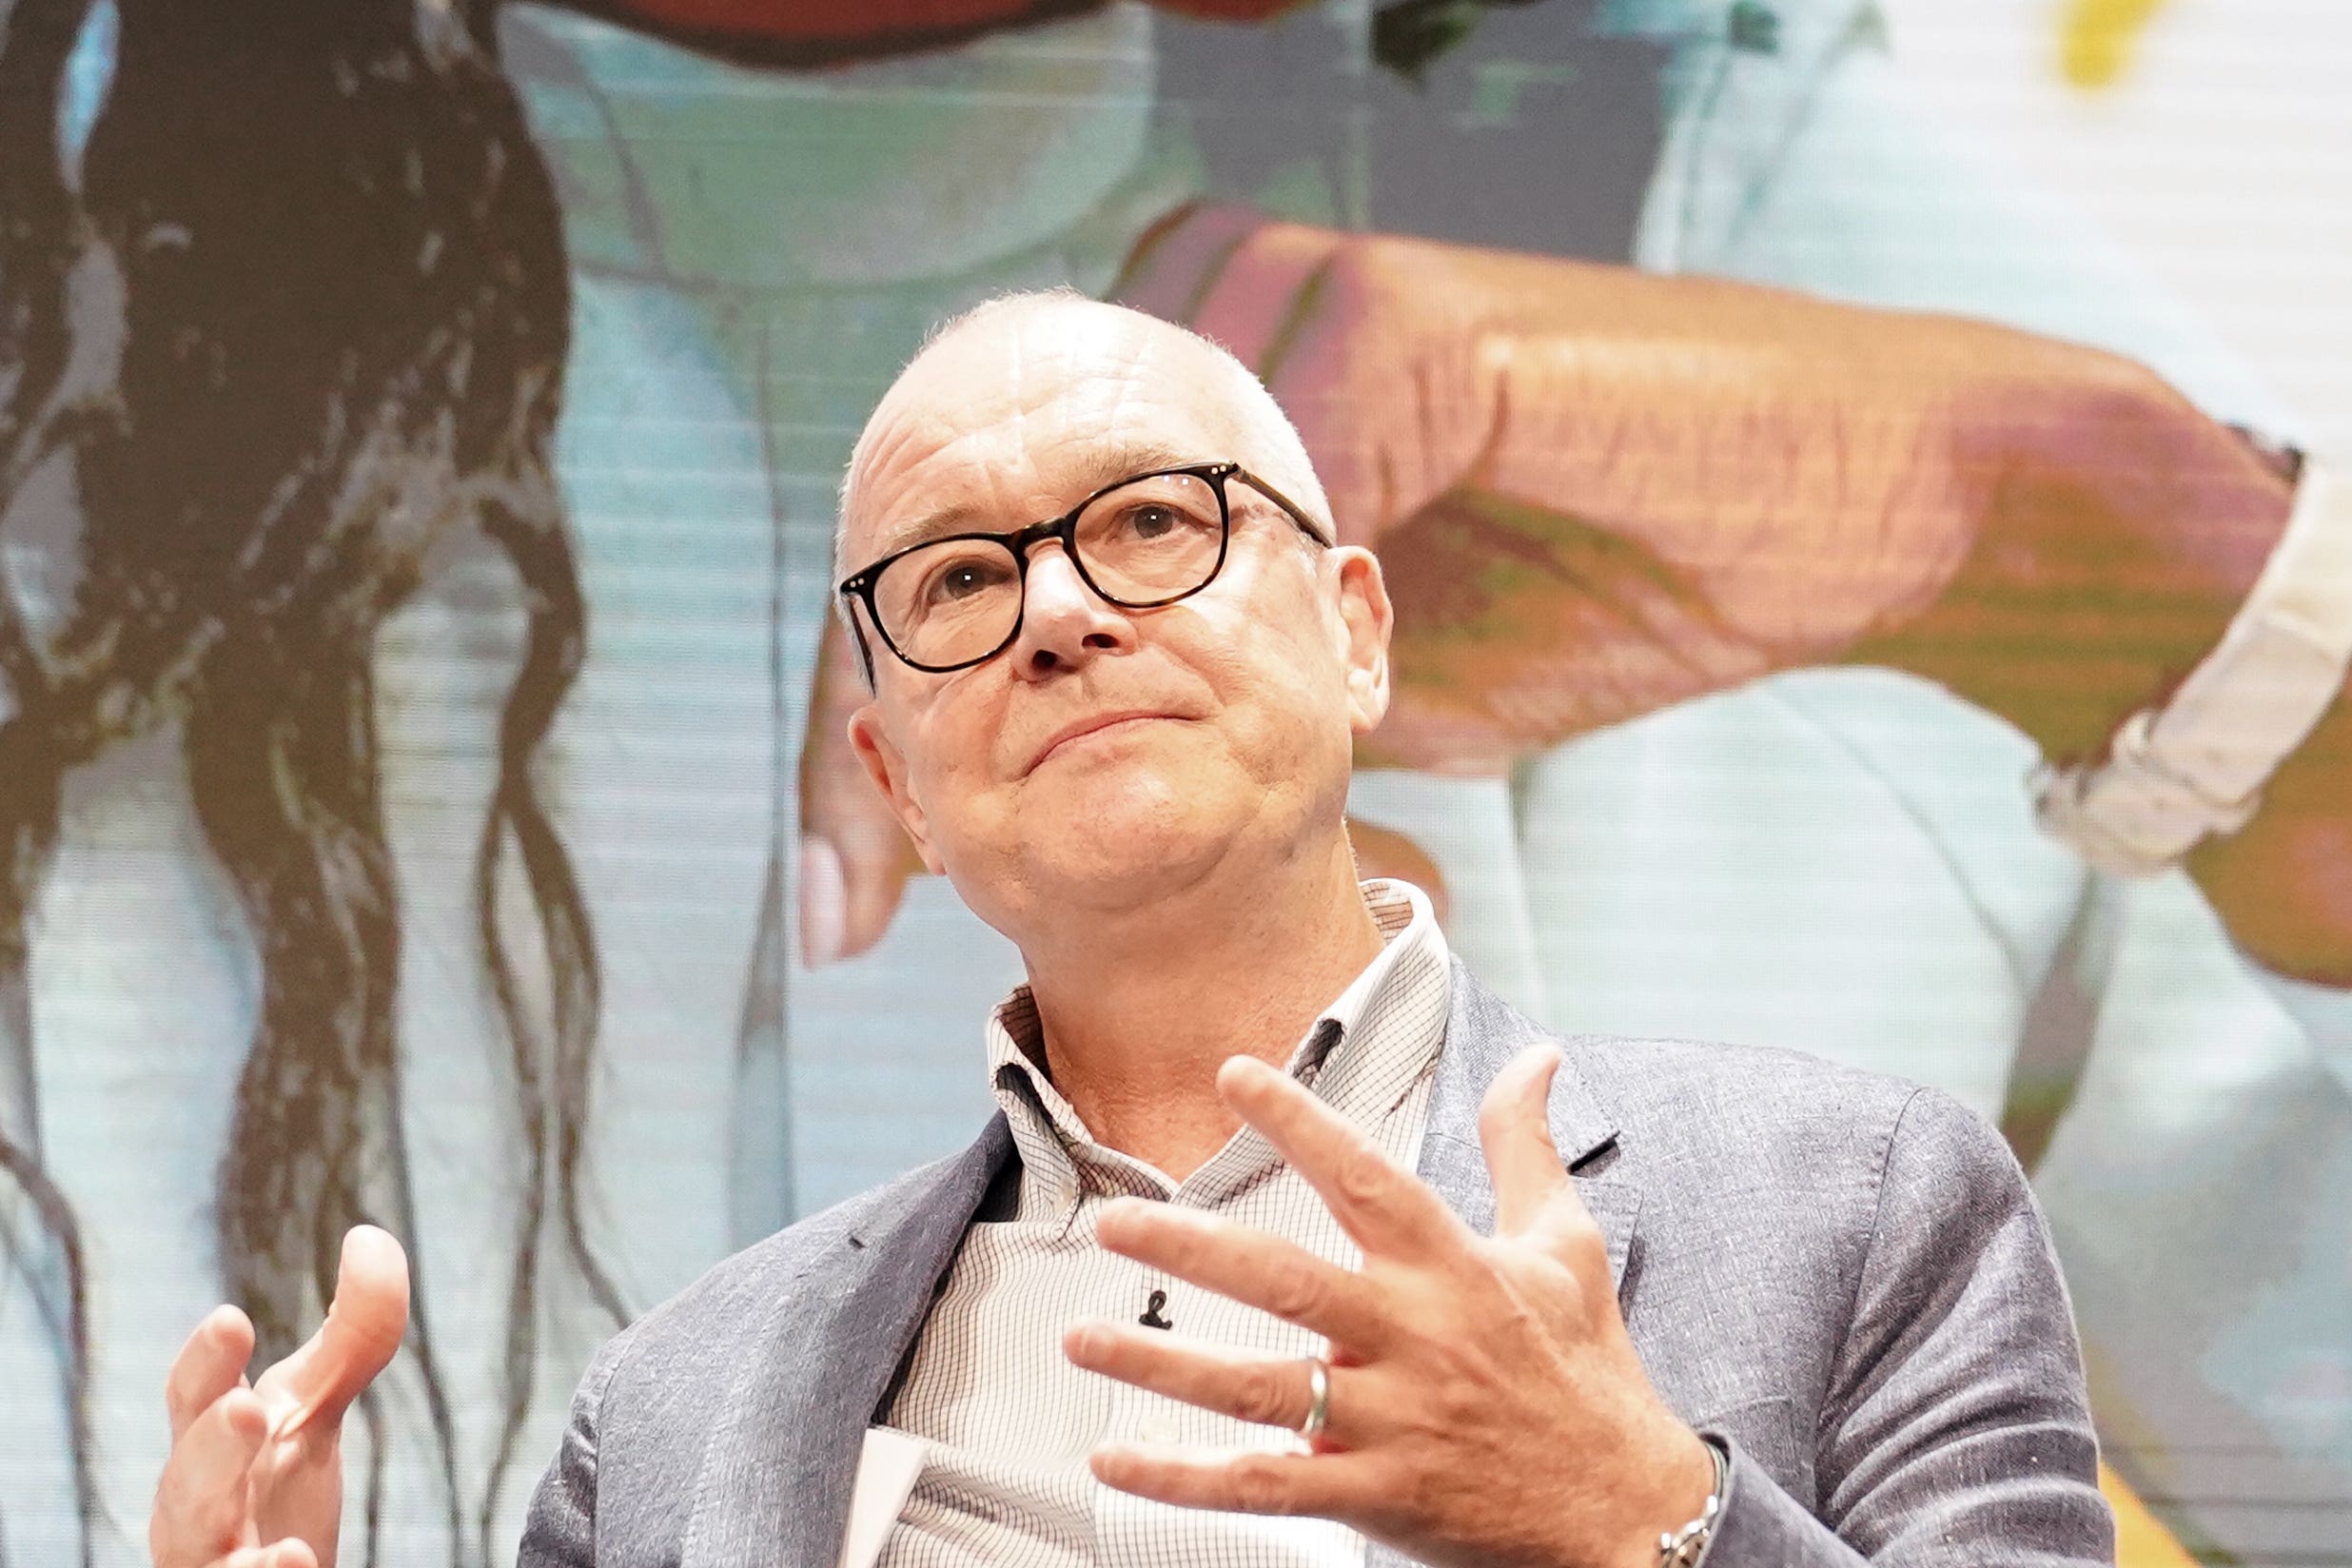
<point>1059,423</point>
<point>1047,401</point>
<point>899,425</point>
<point>1105,464</point>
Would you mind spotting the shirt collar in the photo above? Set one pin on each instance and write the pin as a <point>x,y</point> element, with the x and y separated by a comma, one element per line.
<point>1400,911</point>
<point>1364,1054</point>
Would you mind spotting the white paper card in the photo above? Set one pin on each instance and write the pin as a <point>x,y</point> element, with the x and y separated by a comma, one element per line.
<point>886,1466</point>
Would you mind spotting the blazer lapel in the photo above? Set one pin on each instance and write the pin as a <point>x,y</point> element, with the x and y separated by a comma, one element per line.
<point>1483,1033</point>
<point>774,1490</point>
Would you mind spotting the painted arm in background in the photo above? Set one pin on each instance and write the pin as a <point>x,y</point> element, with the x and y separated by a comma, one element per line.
<point>1600,492</point>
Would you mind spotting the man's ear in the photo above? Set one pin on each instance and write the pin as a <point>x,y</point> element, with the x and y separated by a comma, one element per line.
<point>1366,620</point>
<point>888,770</point>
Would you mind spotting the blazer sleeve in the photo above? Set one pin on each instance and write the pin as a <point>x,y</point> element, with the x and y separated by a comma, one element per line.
<point>560,1529</point>
<point>1957,1427</point>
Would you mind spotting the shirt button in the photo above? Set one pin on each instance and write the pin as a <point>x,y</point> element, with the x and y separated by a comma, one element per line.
<point>1158,1429</point>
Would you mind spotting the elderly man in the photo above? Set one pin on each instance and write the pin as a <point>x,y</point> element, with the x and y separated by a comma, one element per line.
<point>1291,1243</point>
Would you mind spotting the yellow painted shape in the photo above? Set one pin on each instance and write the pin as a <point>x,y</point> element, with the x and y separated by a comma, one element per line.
<point>2141,1541</point>
<point>2095,38</point>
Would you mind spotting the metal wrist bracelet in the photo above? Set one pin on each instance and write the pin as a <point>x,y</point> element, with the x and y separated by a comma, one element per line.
<point>1682,1548</point>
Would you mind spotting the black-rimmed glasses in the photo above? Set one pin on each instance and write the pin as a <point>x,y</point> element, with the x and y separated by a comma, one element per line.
<point>1146,542</point>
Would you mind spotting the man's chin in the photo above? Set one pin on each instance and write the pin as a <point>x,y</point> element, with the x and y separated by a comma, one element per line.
<point>1104,839</point>
<point>1124,865</point>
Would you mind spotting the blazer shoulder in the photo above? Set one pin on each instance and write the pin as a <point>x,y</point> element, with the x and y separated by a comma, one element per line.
<point>1669,1098</point>
<point>1761,1109</point>
<point>1664,1072</point>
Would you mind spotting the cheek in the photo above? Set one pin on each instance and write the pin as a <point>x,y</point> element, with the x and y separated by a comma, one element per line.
<point>1283,695</point>
<point>974,814</point>
<point>1285,623</point>
<point>948,754</point>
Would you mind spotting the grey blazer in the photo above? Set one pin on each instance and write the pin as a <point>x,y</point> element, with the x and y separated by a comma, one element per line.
<point>1843,1275</point>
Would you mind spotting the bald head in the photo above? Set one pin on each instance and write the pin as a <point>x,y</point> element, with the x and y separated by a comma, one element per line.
<point>1109,752</point>
<point>988,374</point>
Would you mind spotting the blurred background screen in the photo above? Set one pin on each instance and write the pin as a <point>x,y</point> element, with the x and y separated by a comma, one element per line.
<point>422,792</point>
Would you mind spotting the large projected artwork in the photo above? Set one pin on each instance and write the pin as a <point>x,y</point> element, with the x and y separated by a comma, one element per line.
<point>1785,425</point>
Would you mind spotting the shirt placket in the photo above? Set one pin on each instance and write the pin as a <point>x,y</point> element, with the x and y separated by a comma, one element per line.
<point>1349,1062</point>
<point>1129,1532</point>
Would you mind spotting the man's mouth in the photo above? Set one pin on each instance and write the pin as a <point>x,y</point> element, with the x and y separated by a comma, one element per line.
<point>1094,724</point>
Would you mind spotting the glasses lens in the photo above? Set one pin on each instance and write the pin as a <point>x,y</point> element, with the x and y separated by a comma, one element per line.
<point>1155,540</point>
<point>950,602</point>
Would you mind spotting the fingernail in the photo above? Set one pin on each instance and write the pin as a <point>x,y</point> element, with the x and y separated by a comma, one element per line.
<point>824,903</point>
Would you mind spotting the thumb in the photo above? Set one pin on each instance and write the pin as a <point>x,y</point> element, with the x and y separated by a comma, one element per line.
<point>365,1325</point>
<point>1516,1132</point>
<point>851,885</point>
<point>855,857</point>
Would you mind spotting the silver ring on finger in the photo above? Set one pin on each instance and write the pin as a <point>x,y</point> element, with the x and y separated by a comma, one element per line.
<point>1318,1399</point>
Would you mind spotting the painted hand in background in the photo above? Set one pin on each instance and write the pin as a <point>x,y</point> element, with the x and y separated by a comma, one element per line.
<point>1598,493</point>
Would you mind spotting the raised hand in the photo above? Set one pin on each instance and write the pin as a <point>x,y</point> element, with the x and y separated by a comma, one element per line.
<point>1486,1403</point>
<point>255,1474</point>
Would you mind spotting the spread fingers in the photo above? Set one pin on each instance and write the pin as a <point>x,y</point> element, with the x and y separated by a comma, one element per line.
<point>200,1508</point>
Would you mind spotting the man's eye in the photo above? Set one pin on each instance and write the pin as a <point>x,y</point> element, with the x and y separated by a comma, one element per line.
<point>1153,520</point>
<point>962,580</point>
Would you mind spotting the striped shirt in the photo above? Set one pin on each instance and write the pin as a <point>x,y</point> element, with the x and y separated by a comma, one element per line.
<point>1006,1423</point>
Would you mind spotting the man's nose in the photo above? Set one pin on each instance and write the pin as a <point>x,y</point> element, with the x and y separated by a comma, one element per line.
<point>1064,622</point>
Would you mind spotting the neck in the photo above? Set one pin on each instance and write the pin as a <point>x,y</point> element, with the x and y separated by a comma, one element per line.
<point>1137,1013</point>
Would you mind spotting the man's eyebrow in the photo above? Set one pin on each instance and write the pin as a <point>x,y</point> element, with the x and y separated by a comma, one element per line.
<point>948,520</point>
<point>1107,465</point>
